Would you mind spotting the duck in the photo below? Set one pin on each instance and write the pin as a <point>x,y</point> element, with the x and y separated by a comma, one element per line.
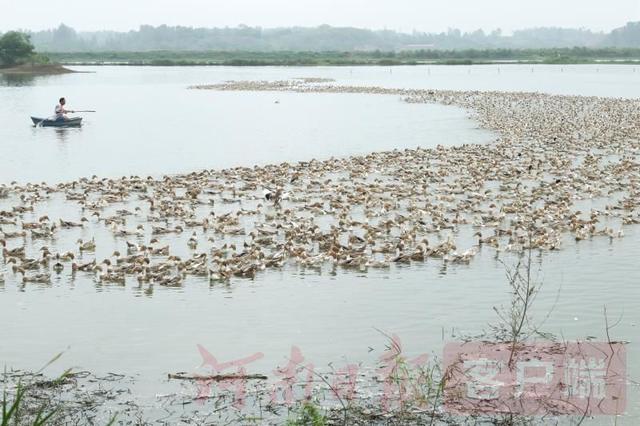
<point>64,257</point>
<point>86,245</point>
<point>15,234</point>
<point>18,252</point>
<point>70,224</point>
<point>84,267</point>
<point>192,243</point>
<point>35,278</point>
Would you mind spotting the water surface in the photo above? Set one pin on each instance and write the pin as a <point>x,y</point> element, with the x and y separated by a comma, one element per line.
<point>148,123</point>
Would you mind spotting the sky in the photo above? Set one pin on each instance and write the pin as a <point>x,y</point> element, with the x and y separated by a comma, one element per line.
<point>399,15</point>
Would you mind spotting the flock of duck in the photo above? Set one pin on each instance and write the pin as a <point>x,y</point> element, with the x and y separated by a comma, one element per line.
<point>561,167</point>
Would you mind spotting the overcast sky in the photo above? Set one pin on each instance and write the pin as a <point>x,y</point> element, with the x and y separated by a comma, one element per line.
<point>402,15</point>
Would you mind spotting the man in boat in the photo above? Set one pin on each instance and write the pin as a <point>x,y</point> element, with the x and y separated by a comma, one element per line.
<point>61,112</point>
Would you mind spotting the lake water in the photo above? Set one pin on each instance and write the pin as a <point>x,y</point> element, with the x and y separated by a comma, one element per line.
<point>148,123</point>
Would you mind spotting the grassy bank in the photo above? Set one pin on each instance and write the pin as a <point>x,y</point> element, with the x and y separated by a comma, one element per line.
<point>290,58</point>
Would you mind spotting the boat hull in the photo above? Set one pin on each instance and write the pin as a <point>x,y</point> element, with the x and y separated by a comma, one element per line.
<point>45,122</point>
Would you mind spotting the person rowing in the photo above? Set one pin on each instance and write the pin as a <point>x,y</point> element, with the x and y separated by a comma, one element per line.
<point>61,112</point>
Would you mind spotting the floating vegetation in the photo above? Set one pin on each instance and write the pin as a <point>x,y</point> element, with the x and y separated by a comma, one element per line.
<point>75,397</point>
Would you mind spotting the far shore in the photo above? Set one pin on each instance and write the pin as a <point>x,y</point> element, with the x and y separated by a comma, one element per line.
<point>555,56</point>
<point>37,69</point>
<point>355,63</point>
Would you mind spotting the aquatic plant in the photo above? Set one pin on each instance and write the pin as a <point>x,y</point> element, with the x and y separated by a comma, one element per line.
<point>516,324</point>
<point>13,412</point>
<point>308,415</point>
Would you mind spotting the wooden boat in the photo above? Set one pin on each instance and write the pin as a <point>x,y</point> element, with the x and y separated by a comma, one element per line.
<point>46,122</point>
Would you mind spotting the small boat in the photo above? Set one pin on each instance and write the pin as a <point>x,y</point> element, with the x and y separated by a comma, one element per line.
<point>46,122</point>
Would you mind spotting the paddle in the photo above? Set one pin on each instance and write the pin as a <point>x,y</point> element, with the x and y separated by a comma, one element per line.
<point>86,110</point>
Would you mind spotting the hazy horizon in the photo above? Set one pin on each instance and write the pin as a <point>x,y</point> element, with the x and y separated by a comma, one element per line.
<point>403,15</point>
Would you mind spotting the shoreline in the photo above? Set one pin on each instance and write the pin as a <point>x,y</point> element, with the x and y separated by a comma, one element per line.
<point>41,69</point>
<point>178,63</point>
<point>168,57</point>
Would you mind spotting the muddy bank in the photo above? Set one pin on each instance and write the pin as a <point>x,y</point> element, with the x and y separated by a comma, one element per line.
<point>29,69</point>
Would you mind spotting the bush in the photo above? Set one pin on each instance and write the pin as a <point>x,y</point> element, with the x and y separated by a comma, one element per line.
<point>15,48</point>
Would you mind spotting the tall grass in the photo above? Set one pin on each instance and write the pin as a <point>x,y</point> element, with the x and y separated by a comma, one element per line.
<point>13,411</point>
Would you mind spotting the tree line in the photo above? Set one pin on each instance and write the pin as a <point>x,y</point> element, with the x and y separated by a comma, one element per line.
<point>319,46</point>
<point>323,38</point>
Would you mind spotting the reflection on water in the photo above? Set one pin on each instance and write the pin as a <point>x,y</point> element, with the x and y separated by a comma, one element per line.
<point>62,134</point>
<point>17,80</point>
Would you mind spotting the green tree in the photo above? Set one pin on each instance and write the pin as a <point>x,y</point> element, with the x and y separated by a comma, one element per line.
<point>15,47</point>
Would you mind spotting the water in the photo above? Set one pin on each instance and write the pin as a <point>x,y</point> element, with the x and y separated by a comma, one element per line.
<point>148,123</point>
<point>176,130</point>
